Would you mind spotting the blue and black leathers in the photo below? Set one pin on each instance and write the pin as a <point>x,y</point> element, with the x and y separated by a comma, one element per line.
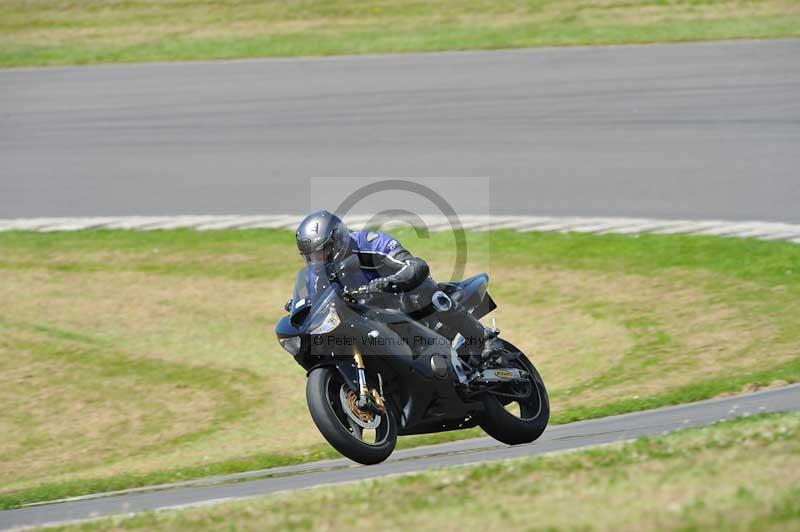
<point>386,263</point>
<point>389,267</point>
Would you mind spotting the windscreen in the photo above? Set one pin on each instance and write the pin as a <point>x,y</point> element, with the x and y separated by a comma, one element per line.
<point>313,279</point>
<point>308,285</point>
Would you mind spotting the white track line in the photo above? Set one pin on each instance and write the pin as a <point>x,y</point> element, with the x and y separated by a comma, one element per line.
<point>754,229</point>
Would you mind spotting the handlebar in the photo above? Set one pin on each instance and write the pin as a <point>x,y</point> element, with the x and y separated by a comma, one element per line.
<point>360,293</point>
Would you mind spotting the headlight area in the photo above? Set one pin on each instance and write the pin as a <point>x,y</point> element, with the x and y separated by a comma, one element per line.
<point>328,323</point>
<point>291,344</point>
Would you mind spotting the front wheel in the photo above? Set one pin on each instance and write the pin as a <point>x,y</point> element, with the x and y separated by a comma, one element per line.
<point>518,413</point>
<point>361,436</point>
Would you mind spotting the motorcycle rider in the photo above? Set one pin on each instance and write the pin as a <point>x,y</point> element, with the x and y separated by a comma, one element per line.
<point>322,238</point>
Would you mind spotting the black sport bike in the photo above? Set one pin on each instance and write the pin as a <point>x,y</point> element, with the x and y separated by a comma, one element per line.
<point>374,372</point>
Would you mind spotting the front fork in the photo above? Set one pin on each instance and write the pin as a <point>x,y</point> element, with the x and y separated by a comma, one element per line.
<point>368,400</point>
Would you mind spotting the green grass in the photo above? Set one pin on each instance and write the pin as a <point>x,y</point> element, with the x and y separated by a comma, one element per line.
<point>136,358</point>
<point>735,475</point>
<point>56,32</point>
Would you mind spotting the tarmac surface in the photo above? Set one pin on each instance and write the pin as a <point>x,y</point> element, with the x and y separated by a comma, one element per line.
<point>694,131</point>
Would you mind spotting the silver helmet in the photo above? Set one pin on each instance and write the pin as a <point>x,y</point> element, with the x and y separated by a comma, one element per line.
<point>322,237</point>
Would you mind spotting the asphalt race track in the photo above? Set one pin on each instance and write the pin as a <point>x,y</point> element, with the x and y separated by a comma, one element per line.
<point>555,438</point>
<point>696,131</point>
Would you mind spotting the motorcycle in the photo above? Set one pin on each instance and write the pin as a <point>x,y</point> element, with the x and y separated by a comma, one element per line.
<point>376,372</point>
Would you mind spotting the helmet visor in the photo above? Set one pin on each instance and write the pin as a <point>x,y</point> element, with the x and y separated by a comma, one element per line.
<point>315,257</point>
<point>322,255</point>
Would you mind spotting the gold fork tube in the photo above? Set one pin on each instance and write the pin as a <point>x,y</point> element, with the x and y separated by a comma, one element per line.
<point>362,377</point>
<point>359,359</point>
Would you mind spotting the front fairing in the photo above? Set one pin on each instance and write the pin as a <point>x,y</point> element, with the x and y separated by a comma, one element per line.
<point>317,308</point>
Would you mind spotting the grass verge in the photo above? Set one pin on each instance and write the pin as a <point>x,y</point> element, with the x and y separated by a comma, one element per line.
<point>135,358</point>
<point>51,32</point>
<point>736,475</point>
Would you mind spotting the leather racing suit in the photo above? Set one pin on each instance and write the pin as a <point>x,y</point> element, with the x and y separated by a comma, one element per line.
<point>391,268</point>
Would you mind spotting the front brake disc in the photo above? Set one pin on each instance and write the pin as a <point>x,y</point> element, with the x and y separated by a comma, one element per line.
<point>366,420</point>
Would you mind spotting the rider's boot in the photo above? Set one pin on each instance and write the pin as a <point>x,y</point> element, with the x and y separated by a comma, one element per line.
<point>480,342</point>
<point>489,345</point>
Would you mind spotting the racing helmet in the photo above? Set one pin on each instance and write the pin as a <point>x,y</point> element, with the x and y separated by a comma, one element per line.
<point>322,237</point>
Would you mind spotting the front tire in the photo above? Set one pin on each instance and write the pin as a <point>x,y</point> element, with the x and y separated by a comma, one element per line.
<point>324,392</point>
<point>507,426</point>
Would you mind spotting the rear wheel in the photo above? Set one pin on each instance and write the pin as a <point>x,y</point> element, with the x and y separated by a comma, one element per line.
<point>519,412</point>
<point>362,436</point>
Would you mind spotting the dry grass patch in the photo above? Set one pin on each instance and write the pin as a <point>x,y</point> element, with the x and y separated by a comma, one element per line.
<point>591,333</point>
<point>196,320</point>
<point>139,353</point>
<point>211,323</point>
<point>660,332</point>
<point>70,406</point>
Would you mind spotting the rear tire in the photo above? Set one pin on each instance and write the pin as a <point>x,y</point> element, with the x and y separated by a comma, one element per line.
<point>512,429</point>
<point>327,412</point>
